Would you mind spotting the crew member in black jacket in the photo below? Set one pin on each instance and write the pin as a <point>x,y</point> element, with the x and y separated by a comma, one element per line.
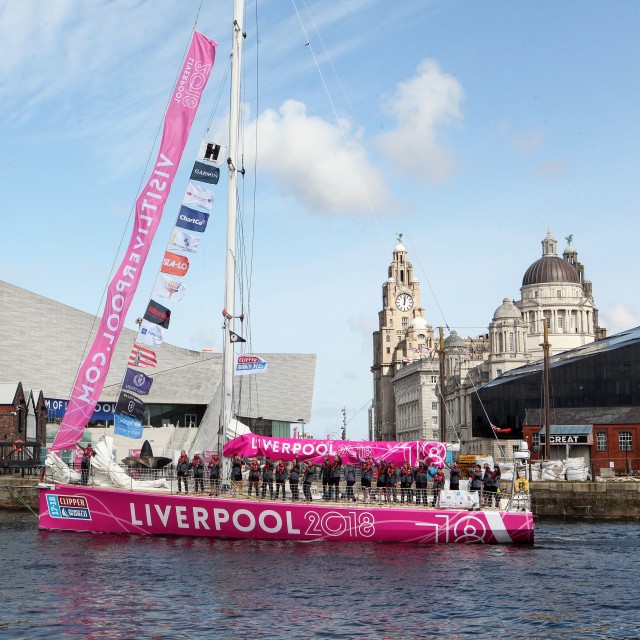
<point>267,476</point>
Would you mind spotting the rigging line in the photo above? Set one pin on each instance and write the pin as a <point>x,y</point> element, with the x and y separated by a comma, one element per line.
<point>195,23</point>
<point>424,273</point>
<point>344,93</point>
<point>216,102</point>
<point>131,212</point>
<point>339,123</point>
<point>484,410</point>
<point>180,366</point>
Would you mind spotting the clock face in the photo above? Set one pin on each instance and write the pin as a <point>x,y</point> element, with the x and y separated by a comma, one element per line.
<point>404,302</point>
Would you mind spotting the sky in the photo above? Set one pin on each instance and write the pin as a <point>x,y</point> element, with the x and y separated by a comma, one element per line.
<point>469,127</point>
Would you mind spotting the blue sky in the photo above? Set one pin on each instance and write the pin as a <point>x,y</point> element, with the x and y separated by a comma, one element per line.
<point>470,127</point>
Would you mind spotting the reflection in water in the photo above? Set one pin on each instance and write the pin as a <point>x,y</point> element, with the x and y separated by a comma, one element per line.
<point>573,583</point>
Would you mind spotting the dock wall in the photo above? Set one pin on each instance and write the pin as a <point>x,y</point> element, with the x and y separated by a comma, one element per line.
<point>585,500</point>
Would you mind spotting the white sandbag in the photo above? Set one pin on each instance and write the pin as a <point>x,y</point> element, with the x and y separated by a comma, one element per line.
<point>506,472</point>
<point>574,464</point>
<point>577,475</point>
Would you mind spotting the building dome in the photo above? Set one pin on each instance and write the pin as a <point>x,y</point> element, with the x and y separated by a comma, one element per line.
<point>454,343</point>
<point>550,269</point>
<point>419,323</point>
<point>507,310</point>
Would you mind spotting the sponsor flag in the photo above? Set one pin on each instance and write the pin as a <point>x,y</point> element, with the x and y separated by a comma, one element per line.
<point>182,241</point>
<point>174,264</point>
<point>499,430</point>
<point>212,152</point>
<point>127,426</point>
<point>247,364</point>
<point>168,288</point>
<point>158,314</point>
<point>130,405</point>
<point>234,337</point>
<point>150,333</point>
<point>137,382</point>
<point>141,357</point>
<point>192,220</point>
<point>204,172</point>
<point>198,196</point>
<point>181,111</point>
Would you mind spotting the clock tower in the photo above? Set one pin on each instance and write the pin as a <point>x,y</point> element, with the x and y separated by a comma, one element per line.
<point>402,337</point>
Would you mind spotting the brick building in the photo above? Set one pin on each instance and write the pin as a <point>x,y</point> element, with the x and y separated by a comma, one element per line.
<point>23,418</point>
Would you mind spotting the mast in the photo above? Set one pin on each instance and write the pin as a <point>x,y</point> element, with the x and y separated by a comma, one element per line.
<point>547,412</point>
<point>232,189</point>
<point>443,415</point>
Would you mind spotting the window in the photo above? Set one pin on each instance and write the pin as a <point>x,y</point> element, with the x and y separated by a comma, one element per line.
<point>435,419</point>
<point>434,379</point>
<point>559,293</point>
<point>624,438</point>
<point>434,406</point>
<point>500,343</point>
<point>601,440</point>
<point>391,322</point>
<point>190,420</point>
<point>535,439</point>
<point>405,322</point>
<point>388,350</point>
<point>560,323</point>
<point>512,342</point>
<point>388,338</point>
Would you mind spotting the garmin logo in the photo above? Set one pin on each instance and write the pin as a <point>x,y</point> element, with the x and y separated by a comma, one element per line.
<point>205,173</point>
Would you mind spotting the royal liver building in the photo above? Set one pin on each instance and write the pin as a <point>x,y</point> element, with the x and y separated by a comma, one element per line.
<point>406,367</point>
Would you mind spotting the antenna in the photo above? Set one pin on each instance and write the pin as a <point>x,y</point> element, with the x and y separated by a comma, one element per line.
<point>344,423</point>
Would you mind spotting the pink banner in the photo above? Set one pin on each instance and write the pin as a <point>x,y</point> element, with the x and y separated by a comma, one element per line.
<point>149,206</point>
<point>287,448</point>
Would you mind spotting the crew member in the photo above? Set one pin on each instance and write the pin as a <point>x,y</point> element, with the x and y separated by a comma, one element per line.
<point>85,463</point>
<point>336,472</point>
<point>254,474</point>
<point>267,477</point>
<point>281,477</point>
<point>236,470</point>
<point>294,479</point>
<point>182,468</point>
<point>215,469</point>
<point>309,474</point>
<point>366,475</point>
<point>197,464</point>
<point>406,480</point>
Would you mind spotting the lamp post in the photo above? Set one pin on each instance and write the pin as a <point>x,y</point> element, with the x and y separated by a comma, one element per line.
<point>301,421</point>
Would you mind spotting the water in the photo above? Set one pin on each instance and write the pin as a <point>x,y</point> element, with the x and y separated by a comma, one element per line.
<point>579,581</point>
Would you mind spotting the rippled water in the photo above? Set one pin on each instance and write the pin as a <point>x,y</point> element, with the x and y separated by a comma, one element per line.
<point>579,581</point>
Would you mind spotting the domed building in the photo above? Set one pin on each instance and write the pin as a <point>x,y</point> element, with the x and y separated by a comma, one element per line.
<point>407,403</point>
<point>554,291</point>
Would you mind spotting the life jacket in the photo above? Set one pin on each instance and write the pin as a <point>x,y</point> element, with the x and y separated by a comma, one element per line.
<point>254,471</point>
<point>281,468</point>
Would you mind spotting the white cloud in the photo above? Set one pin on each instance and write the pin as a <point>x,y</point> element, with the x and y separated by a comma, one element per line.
<point>422,106</point>
<point>313,164</point>
<point>620,317</point>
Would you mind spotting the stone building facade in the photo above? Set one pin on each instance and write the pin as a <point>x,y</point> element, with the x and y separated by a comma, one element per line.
<point>406,403</point>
